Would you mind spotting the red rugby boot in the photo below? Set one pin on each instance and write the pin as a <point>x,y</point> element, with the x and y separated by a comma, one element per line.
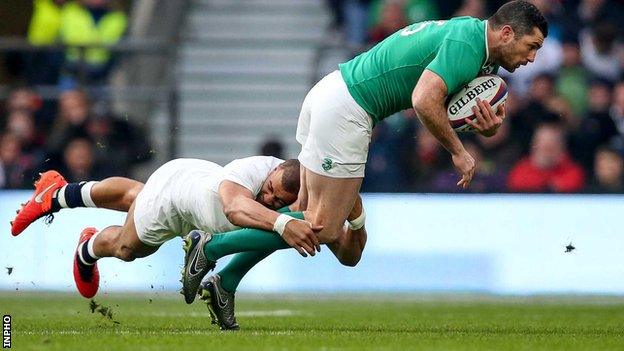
<point>40,204</point>
<point>87,277</point>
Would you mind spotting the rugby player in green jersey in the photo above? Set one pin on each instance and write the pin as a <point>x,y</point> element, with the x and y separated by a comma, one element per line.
<point>416,67</point>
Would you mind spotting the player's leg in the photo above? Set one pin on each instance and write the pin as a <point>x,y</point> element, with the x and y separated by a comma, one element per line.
<point>218,291</point>
<point>121,242</point>
<point>349,247</point>
<point>115,193</point>
<point>335,135</point>
<point>204,249</point>
<point>52,193</point>
<point>330,201</point>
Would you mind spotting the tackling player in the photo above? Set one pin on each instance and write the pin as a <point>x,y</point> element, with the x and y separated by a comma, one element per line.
<point>180,196</point>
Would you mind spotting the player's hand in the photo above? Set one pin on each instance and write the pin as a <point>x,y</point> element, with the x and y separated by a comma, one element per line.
<point>487,122</point>
<point>302,236</point>
<point>465,165</point>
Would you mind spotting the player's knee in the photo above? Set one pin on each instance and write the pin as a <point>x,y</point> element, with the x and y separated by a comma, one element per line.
<point>330,232</point>
<point>351,260</point>
<point>132,194</point>
<point>126,253</point>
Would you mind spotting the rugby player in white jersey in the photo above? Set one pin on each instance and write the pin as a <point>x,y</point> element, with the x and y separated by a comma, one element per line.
<point>180,196</point>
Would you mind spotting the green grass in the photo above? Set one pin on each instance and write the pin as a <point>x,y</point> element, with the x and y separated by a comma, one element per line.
<point>380,322</point>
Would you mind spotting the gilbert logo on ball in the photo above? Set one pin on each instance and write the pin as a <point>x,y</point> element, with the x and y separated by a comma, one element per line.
<point>490,88</point>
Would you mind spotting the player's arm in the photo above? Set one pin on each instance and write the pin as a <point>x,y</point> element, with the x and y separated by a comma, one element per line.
<point>242,210</point>
<point>428,101</point>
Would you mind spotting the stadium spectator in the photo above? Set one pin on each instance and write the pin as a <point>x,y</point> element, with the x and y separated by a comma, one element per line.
<point>14,166</point>
<point>74,107</point>
<point>412,10</point>
<point>488,177</point>
<point>118,143</point>
<point>355,21</point>
<point>573,78</point>
<point>43,67</point>
<point>272,147</point>
<point>473,8</point>
<point>534,111</point>
<point>608,173</point>
<point>548,168</point>
<point>392,19</point>
<point>89,22</point>
<point>588,13</point>
<point>596,127</point>
<point>500,149</point>
<point>79,162</point>
<point>429,158</point>
<point>391,153</point>
<point>21,123</point>
<point>23,98</point>
<point>617,115</point>
<point>600,52</point>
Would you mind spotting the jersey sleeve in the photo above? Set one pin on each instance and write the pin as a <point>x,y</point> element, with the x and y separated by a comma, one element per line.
<point>456,63</point>
<point>250,172</point>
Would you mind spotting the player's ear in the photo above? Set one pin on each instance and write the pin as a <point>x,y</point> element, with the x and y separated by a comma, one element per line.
<point>507,34</point>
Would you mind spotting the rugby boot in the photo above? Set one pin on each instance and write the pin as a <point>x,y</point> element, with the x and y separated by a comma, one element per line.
<point>87,277</point>
<point>220,303</point>
<point>196,264</point>
<point>40,204</point>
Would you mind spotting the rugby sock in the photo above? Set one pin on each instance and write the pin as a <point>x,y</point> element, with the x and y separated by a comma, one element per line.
<point>245,240</point>
<point>85,252</point>
<point>239,265</point>
<point>73,195</point>
<point>242,262</point>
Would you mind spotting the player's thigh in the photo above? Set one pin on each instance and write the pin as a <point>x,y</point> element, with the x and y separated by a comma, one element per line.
<point>338,131</point>
<point>329,202</point>
<point>129,238</point>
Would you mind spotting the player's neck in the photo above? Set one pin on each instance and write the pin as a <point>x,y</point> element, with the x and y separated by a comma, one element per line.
<point>493,44</point>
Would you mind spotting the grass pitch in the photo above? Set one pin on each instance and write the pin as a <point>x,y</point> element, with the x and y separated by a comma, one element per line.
<point>380,322</point>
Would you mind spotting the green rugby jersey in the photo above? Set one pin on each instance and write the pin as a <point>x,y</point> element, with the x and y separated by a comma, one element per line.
<point>382,79</point>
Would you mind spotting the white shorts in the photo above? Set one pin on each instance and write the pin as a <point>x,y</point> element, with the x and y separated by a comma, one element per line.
<point>334,130</point>
<point>171,204</point>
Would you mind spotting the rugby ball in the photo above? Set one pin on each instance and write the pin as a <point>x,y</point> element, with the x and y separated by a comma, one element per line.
<point>490,88</point>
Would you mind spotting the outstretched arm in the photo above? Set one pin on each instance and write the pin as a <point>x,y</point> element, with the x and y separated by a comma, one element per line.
<point>428,102</point>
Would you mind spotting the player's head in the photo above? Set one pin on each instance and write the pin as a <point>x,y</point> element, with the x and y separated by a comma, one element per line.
<point>520,30</point>
<point>281,186</point>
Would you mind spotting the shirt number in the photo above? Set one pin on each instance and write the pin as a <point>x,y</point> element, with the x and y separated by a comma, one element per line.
<point>405,32</point>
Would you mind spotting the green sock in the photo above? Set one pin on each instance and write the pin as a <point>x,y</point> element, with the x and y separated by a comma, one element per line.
<point>242,262</point>
<point>245,240</point>
<point>239,265</point>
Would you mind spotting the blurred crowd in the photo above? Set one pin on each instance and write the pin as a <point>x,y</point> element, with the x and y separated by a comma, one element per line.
<point>564,131</point>
<point>73,131</point>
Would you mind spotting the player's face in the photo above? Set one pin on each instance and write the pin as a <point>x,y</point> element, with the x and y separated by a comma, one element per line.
<point>519,51</point>
<point>273,195</point>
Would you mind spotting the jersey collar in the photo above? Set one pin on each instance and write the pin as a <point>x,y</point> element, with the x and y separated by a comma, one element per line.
<point>487,51</point>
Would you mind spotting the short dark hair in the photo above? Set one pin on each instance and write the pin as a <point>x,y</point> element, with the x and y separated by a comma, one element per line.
<point>522,16</point>
<point>290,176</point>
